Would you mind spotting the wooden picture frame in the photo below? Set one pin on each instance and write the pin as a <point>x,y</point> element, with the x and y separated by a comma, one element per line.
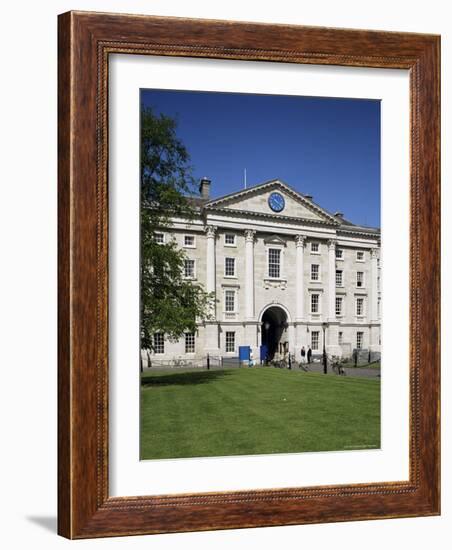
<point>85,508</point>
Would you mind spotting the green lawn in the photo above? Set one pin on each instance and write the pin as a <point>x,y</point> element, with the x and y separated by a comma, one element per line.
<point>256,411</point>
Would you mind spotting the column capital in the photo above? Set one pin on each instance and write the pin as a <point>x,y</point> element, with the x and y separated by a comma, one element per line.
<point>249,235</point>
<point>210,230</point>
<point>373,253</point>
<point>331,244</point>
<point>300,240</point>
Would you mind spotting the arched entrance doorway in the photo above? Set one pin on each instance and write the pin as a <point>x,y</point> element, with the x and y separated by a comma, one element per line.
<point>274,332</point>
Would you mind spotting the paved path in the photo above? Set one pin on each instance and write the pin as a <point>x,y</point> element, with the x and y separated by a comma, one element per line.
<point>357,372</point>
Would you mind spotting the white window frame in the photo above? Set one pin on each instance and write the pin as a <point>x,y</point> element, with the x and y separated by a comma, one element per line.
<point>318,247</point>
<point>363,282</point>
<point>339,300</point>
<point>281,262</point>
<point>163,237</point>
<point>341,257</point>
<point>361,343</point>
<point>341,271</point>
<point>319,274</point>
<point>190,277</point>
<point>234,244</point>
<point>225,292</point>
<point>363,313</point>
<point>189,334</point>
<point>159,334</point>
<point>319,302</point>
<point>234,276</point>
<point>226,341</point>
<point>363,258</point>
<point>318,340</point>
<point>190,245</point>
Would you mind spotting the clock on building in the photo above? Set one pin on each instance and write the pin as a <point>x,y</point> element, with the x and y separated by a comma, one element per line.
<point>276,202</point>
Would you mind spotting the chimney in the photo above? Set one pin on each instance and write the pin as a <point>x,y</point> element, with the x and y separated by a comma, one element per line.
<point>204,188</point>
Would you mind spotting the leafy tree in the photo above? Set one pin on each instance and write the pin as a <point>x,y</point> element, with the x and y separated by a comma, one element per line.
<point>169,303</point>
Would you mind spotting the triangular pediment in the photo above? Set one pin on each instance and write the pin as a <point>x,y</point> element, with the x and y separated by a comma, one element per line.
<point>275,240</point>
<point>258,200</point>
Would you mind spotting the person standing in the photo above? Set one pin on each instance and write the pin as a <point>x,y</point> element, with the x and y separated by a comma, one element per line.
<point>303,355</point>
<point>309,354</point>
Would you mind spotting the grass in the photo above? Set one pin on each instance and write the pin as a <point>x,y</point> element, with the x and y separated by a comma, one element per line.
<point>255,411</point>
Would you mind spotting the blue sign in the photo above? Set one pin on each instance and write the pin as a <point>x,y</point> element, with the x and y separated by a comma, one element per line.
<point>244,353</point>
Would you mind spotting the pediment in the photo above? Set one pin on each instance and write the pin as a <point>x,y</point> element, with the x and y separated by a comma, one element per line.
<point>256,200</point>
<point>275,240</point>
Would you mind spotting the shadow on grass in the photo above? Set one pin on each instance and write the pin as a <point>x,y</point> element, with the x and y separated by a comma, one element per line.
<point>183,378</point>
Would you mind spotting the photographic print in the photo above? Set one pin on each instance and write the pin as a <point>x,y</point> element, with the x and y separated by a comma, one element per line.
<point>260,274</point>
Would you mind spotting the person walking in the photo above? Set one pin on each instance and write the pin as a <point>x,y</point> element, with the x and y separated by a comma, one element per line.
<point>309,354</point>
<point>303,355</point>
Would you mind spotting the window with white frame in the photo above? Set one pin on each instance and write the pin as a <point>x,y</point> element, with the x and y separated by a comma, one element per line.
<point>315,339</point>
<point>340,338</point>
<point>229,301</point>
<point>360,255</point>
<point>230,342</point>
<point>189,269</point>
<point>274,263</point>
<point>315,272</point>
<point>159,238</point>
<point>359,307</point>
<point>315,248</point>
<point>339,254</point>
<point>189,342</point>
<point>189,241</point>
<point>229,267</point>
<point>338,306</point>
<point>159,342</point>
<point>360,279</point>
<point>339,277</point>
<point>229,239</point>
<point>359,340</point>
<point>315,303</point>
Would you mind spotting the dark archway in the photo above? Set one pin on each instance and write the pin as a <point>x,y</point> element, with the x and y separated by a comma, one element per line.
<point>274,326</point>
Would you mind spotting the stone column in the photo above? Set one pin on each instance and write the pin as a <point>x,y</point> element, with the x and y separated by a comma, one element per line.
<point>300,243</point>
<point>249,273</point>
<point>211,330</point>
<point>331,280</point>
<point>210,261</point>
<point>374,325</point>
<point>374,285</point>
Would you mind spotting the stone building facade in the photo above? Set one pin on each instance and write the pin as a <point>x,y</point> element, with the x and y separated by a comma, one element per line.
<point>285,274</point>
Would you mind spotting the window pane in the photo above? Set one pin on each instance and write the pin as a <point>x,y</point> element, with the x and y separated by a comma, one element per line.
<point>338,306</point>
<point>189,342</point>
<point>229,238</point>
<point>189,269</point>
<point>359,340</point>
<point>314,303</point>
<point>274,262</point>
<point>229,267</point>
<point>189,240</point>
<point>314,247</point>
<point>315,339</point>
<point>159,343</point>
<point>229,300</point>
<point>315,272</point>
<point>230,341</point>
<point>338,277</point>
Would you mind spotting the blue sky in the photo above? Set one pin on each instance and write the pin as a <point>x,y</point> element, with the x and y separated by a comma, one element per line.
<point>325,147</point>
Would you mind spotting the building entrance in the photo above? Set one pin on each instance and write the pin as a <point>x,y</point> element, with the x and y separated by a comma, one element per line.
<point>274,332</point>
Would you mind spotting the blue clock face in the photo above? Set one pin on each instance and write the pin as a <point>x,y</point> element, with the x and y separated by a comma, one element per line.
<point>276,202</point>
